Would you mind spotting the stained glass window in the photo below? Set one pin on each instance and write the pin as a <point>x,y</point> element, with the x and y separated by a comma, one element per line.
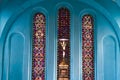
<point>87,47</point>
<point>38,61</point>
<point>63,53</point>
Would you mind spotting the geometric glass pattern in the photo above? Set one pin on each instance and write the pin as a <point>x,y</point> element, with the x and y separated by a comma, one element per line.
<point>87,47</point>
<point>63,33</point>
<point>38,47</point>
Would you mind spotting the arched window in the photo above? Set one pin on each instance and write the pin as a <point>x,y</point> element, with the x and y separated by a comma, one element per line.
<point>87,47</point>
<point>38,50</point>
<point>63,53</point>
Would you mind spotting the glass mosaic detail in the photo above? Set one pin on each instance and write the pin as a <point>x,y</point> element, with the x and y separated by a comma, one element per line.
<point>38,61</point>
<point>63,73</point>
<point>87,47</point>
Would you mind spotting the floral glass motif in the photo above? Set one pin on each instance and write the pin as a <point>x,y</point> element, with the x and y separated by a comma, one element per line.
<point>63,33</point>
<point>87,47</point>
<point>38,61</point>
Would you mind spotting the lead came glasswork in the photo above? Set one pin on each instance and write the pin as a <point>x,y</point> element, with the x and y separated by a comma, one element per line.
<point>87,47</point>
<point>63,53</point>
<point>38,61</point>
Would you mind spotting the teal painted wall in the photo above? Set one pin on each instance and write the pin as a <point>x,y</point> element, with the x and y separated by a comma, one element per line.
<point>16,37</point>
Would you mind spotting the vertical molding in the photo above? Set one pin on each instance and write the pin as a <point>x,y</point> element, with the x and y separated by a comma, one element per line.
<point>8,55</point>
<point>109,63</point>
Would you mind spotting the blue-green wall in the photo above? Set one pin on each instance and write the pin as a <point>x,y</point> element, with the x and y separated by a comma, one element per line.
<point>16,37</point>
